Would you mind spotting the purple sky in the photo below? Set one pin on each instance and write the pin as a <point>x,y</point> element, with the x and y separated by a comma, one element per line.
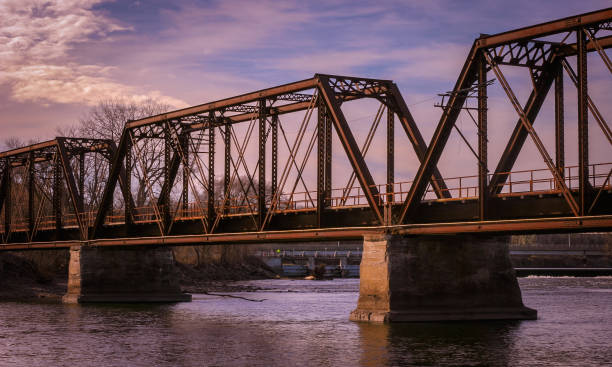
<point>59,57</point>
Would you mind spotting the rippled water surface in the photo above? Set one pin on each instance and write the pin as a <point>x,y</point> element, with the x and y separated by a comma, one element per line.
<point>305,323</point>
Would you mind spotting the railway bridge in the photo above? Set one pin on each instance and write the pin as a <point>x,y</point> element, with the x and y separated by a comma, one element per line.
<point>291,163</point>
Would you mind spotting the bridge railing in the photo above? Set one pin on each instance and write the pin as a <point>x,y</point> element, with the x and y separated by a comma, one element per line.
<point>522,182</point>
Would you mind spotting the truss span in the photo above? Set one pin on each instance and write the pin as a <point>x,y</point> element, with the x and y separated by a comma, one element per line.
<point>266,164</point>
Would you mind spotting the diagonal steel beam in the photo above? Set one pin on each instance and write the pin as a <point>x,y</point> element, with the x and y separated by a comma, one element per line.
<point>124,185</point>
<point>438,141</point>
<point>534,136</point>
<point>592,107</point>
<point>519,135</point>
<point>111,183</point>
<point>416,139</point>
<point>71,184</point>
<point>350,147</point>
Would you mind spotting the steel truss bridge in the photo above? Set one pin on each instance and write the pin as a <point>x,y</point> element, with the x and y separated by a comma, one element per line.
<point>78,190</point>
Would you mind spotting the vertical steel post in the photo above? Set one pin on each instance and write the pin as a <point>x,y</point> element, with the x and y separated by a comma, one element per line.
<point>31,219</point>
<point>184,141</point>
<point>390,164</point>
<point>165,194</point>
<point>211,169</point>
<point>57,195</point>
<point>261,196</point>
<point>482,138</point>
<point>227,163</point>
<point>274,154</point>
<point>129,209</point>
<point>559,122</point>
<point>72,186</point>
<point>328,157</point>
<point>81,182</point>
<point>112,192</point>
<point>321,129</point>
<point>583,128</point>
<point>8,202</point>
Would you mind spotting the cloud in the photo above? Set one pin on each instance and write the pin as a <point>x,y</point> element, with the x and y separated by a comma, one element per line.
<point>36,38</point>
<point>75,83</point>
<point>35,30</point>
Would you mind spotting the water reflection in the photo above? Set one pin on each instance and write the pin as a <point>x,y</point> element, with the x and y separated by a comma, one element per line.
<point>303,323</point>
<point>436,344</point>
<point>375,344</point>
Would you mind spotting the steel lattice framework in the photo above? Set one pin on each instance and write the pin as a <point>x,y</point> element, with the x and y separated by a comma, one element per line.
<point>255,199</point>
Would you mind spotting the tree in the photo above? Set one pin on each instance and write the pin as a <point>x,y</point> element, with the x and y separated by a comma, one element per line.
<point>106,120</point>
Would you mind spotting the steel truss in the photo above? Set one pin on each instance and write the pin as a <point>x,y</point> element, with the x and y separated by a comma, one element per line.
<point>191,132</point>
<point>255,191</point>
<point>48,172</point>
<point>545,61</point>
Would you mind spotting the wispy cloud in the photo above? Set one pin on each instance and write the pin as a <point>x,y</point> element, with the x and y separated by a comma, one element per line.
<point>36,38</point>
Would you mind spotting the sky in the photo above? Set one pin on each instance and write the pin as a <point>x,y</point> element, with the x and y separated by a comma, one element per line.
<point>58,58</point>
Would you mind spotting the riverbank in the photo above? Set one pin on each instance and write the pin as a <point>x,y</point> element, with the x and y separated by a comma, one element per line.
<point>22,280</point>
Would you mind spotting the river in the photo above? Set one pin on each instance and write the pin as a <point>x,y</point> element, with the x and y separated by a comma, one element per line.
<point>305,323</point>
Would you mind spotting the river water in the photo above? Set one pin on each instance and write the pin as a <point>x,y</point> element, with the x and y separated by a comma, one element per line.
<point>305,323</point>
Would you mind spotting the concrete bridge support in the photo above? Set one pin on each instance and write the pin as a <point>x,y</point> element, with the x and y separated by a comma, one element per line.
<point>122,274</point>
<point>438,278</point>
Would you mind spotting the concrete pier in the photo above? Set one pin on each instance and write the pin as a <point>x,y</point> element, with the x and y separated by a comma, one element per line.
<point>438,278</point>
<point>122,274</point>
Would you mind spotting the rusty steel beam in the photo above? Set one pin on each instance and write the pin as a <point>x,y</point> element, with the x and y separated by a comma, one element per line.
<point>519,135</point>
<point>210,210</point>
<point>102,143</point>
<point>483,171</point>
<point>172,160</point>
<point>82,181</point>
<point>416,139</point>
<point>518,226</point>
<point>8,202</point>
<point>184,147</point>
<point>70,183</point>
<point>351,149</point>
<point>559,121</point>
<point>113,177</point>
<point>572,49</point>
<point>261,190</point>
<point>274,180</point>
<point>30,148</point>
<point>57,196</point>
<point>327,184</point>
<point>129,205</point>
<point>31,188</point>
<point>583,124</point>
<point>545,29</point>
<point>219,105</point>
<point>123,178</point>
<point>438,141</point>
<point>540,225</point>
<point>269,93</point>
<point>592,107</point>
<point>4,182</point>
<point>528,125</point>
<point>227,144</point>
<point>390,190</point>
<point>321,124</point>
<point>274,111</point>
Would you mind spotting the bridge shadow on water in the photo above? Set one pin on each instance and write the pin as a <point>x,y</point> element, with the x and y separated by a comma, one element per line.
<point>435,344</point>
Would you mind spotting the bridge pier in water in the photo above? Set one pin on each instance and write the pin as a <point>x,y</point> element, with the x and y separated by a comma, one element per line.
<point>438,278</point>
<point>122,274</point>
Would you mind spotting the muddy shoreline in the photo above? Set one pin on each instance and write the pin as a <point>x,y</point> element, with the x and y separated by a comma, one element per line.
<point>22,281</point>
